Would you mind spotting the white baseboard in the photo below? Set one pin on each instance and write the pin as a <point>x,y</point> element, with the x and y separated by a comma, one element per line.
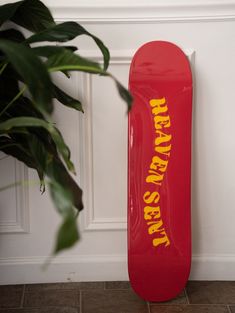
<point>213,267</point>
<point>63,269</point>
<point>101,268</point>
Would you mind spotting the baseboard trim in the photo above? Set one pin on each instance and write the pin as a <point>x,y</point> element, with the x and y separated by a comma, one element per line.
<point>213,267</point>
<point>101,268</point>
<point>63,269</point>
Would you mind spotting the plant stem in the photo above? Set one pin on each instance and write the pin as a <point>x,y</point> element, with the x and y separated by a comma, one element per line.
<point>14,99</point>
<point>9,145</point>
<point>26,183</point>
<point>3,68</point>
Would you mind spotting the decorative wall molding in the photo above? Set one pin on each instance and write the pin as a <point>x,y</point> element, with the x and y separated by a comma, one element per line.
<point>21,223</point>
<point>87,175</point>
<point>25,270</point>
<point>117,57</point>
<point>123,57</point>
<point>143,12</point>
<point>90,221</point>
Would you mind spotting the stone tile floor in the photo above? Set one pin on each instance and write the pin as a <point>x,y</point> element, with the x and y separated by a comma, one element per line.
<point>114,297</point>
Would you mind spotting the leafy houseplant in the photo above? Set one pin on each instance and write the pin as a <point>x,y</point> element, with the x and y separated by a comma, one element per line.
<point>27,131</point>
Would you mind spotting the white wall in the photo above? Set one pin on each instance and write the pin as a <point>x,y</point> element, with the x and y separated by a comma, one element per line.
<point>99,147</point>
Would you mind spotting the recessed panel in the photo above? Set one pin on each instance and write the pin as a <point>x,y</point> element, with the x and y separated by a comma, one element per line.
<point>109,136</point>
<point>7,196</point>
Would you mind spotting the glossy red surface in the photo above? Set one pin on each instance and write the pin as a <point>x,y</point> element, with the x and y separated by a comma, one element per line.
<point>159,171</point>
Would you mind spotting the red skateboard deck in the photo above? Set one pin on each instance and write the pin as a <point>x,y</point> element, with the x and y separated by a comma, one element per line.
<point>159,171</point>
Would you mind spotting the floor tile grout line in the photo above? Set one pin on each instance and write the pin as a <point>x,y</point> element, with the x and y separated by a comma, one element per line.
<point>190,304</point>
<point>105,287</point>
<point>22,298</point>
<point>148,305</point>
<point>80,301</point>
<point>212,304</point>
<point>186,295</point>
<point>118,289</point>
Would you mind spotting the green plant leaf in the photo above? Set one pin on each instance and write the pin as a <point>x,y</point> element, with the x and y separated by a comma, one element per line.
<point>62,148</point>
<point>16,97</point>
<point>33,15</point>
<point>124,94</point>
<point>8,10</point>
<point>62,197</point>
<point>30,14</point>
<point>10,147</point>
<point>33,72</point>
<point>66,99</point>
<point>24,107</point>
<point>67,234</point>
<point>8,86</point>
<point>35,122</point>
<point>48,161</point>
<point>68,61</point>
<point>48,51</point>
<point>12,34</point>
<point>67,31</point>
<point>15,149</point>
<point>38,151</point>
<point>57,173</point>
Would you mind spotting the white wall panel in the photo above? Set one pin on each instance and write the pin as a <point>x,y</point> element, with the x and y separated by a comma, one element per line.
<point>99,144</point>
<point>14,210</point>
